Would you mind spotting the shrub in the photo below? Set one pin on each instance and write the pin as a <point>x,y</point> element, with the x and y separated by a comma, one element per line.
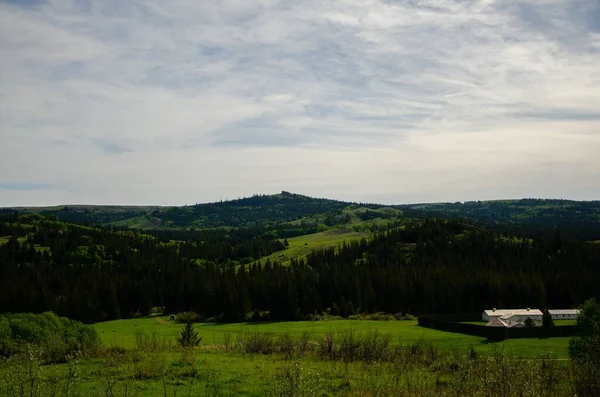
<point>286,345</point>
<point>56,336</point>
<point>150,342</point>
<point>256,343</point>
<point>186,317</point>
<point>293,380</point>
<point>379,316</point>
<point>258,315</point>
<point>584,350</point>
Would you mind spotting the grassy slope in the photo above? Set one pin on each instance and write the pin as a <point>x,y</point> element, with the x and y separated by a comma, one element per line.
<point>122,333</point>
<point>354,229</point>
<point>303,245</point>
<point>144,222</point>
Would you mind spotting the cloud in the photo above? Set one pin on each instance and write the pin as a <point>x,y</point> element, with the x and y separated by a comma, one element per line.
<point>23,186</point>
<point>147,102</point>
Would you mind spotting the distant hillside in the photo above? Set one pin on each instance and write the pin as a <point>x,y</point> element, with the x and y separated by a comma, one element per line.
<point>577,219</point>
<point>91,214</point>
<point>249,211</point>
<point>95,274</point>
<point>296,215</point>
<point>255,210</point>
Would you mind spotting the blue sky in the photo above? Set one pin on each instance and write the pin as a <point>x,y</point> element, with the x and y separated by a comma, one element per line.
<point>185,101</point>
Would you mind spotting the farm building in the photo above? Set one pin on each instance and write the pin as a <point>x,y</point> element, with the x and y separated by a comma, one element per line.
<point>564,314</point>
<point>498,322</point>
<point>512,315</point>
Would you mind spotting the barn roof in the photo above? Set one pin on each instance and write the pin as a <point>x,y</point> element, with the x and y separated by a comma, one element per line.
<point>513,312</point>
<point>496,322</point>
<point>564,311</point>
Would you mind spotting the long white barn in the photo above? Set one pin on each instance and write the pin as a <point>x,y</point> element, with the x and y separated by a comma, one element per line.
<point>513,315</point>
<point>564,314</point>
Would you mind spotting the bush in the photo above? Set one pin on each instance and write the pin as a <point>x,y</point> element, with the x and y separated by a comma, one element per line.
<point>186,317</point>
<point>380,316</point>
<point>151,342</point>
<point>256,343</point>
<point>57,337</point>
<point>258,315</point>
<point>584,350</point>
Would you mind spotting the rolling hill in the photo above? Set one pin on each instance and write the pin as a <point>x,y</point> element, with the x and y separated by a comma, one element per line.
<point>577,219</point>
<point>294,215</point>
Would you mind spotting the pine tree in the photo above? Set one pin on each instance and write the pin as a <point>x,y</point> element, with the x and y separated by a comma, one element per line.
<point>547,321</point>
<point>189,336</point>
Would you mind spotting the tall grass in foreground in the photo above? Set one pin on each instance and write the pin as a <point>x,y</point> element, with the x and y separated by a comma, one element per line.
<point>337,364</point>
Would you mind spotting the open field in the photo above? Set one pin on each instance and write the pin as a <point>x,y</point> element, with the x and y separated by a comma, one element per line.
<point>122,333</point>
<point>301,246</point>
<point>220,373</point>
<point>141,358</point>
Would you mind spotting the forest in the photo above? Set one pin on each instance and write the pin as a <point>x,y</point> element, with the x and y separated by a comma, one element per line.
<point>525,217</point>
<point>425,265</point>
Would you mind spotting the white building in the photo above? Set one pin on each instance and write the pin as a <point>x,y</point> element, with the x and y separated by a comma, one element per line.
<point>564,314</point>
<point>512,315</point>
<point>498,322</point>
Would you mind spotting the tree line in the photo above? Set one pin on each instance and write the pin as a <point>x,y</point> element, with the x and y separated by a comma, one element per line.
<point>93,274</point>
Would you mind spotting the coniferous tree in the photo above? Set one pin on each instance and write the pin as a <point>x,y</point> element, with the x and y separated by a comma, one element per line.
<point>547,320</point>
<point>189,336</point>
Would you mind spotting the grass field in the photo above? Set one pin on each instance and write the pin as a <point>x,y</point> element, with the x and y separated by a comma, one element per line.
<point>301,246</point>
<point>122,333</point>
<point>157,367</point>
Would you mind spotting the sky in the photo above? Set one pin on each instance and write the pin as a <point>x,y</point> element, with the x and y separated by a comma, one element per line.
<point>155,102</point>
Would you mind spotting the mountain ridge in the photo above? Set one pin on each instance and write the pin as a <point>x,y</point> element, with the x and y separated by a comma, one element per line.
<point>580,219</point>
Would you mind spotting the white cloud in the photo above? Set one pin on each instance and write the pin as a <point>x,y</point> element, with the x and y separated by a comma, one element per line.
<point>189,101</point>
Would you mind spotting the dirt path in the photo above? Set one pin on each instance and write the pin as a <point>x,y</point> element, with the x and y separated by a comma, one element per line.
<point>159,320</point>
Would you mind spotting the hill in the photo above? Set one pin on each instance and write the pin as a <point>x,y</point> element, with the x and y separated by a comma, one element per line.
<point>95,273</point>
<point>244,212</point>
<point>525,217</point>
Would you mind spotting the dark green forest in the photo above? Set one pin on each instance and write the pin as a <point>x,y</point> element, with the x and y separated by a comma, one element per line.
<point>244,212</point>
<point>425,265</point>
<point>526,217</point>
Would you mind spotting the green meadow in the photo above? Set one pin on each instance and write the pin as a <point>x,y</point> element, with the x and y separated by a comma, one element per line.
<point>301,246</point>
<point>140,357</point>
<point>123,333</point>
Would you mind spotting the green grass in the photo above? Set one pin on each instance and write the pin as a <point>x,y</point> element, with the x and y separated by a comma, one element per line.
<point>565,322</point>
<point>122,333</point>
<point>211,370</point>
<point>301,246</point>
<point>217,373</point>
<point>143,222</point>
